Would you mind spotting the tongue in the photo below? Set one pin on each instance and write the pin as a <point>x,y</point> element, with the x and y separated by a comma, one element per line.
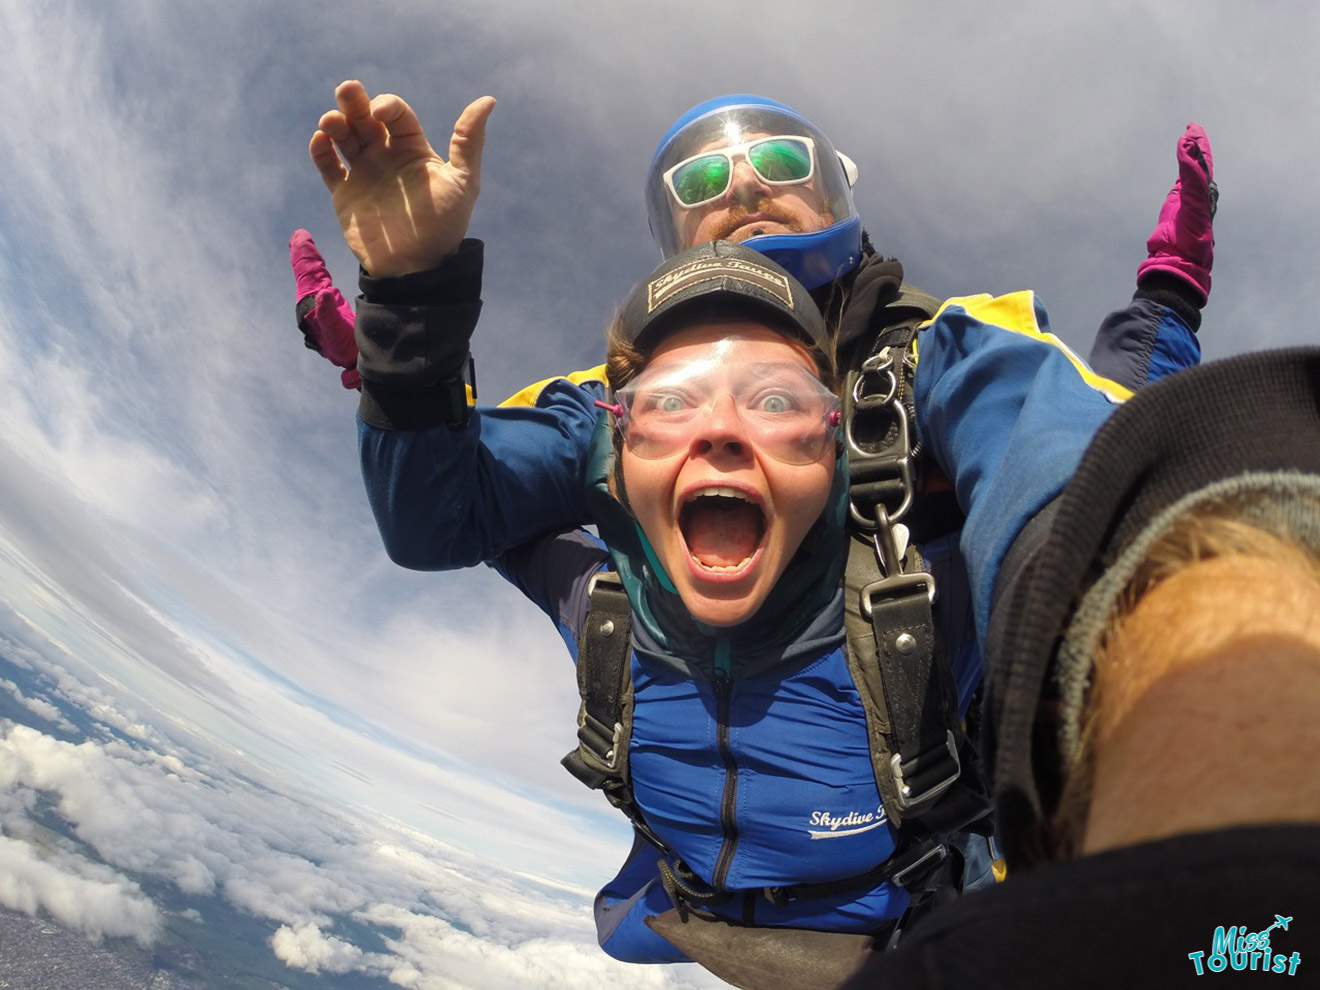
<point>722,532</point>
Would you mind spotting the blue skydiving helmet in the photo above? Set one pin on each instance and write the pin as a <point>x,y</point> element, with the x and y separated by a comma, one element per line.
<point>693,170</point>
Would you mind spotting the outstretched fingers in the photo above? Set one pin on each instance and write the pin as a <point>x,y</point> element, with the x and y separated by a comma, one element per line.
<point>364,130</point>
<point>398,122</point>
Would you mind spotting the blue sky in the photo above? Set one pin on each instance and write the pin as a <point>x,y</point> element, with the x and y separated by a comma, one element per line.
<point>180,507</point>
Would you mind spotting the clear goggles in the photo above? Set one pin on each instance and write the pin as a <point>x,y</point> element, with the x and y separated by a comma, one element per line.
<point>781,408</point>
<point>782,160</point>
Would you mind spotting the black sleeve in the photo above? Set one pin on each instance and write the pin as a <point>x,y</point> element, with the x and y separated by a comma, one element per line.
<point>412,335</point>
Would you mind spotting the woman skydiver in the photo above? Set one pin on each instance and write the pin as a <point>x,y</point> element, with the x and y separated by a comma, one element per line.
<point>721,499</point>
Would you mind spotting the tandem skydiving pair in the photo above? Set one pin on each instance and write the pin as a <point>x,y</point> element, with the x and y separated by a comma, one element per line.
<point>804,477</point>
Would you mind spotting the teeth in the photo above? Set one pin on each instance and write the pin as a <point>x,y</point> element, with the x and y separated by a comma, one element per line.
<point>717,568</point>
<point>720,490</point>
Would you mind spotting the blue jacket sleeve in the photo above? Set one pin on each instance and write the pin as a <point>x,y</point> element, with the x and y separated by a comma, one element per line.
<point>1144,342</point>
<point>451,486</point>
<point>445,498</point>
<point>1006,409</point>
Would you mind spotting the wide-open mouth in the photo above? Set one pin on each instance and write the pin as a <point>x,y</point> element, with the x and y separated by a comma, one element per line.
<point>722,528</point>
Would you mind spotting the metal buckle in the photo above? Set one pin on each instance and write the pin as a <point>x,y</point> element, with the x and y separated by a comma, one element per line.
<point>865,466</point>
<point>906,799</point>
<point>612,757</point>
<point>890,547</point>
<point>608,577</point>
<point>591,729</point>
<point>940,852</point>
<point>879,363</point>
<point>890,586</point>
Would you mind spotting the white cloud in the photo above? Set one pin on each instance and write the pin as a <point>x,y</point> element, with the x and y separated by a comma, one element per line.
<point>77,893</point>
<point>433,954</point>
<point>38,706</point>
<point>306,947</point>
<point>447,919</point>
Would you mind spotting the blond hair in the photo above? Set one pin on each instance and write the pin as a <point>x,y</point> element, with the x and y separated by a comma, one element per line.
<point>1209,531</point>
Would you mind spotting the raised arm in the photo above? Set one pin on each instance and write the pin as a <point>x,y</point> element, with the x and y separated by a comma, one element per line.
<point>1006,410</point>
<point>1155,334</point>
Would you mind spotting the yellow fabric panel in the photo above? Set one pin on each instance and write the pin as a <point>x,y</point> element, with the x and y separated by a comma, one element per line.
<point>1016,312</point>
<point>529,395</point>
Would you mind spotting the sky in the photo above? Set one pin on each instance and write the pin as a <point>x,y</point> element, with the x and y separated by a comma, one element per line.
<point>185,547</point>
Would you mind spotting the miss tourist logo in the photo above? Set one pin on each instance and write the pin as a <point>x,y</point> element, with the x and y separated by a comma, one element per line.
<point>1237,949</point>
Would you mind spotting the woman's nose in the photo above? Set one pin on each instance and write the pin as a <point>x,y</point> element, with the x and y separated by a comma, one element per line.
<point>720,430</point>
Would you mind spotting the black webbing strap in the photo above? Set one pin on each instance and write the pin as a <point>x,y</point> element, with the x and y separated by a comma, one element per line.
<point>605,717</point>
<point>603,682</point>
<point>900,667</point>
<point>914,866</point>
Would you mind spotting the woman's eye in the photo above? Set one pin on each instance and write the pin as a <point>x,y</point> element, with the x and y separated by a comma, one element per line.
<point>666,402</point>
<point>775,404</point>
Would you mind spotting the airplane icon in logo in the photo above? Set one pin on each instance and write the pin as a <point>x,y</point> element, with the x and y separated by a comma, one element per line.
<point>1279,922</point>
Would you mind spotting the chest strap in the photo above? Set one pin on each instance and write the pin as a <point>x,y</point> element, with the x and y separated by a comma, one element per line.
<point>924,770</point>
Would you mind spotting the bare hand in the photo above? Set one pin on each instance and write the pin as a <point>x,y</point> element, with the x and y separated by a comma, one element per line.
<point>402,207</point>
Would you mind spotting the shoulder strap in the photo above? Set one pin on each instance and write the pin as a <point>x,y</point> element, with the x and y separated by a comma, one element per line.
<point>900,666</point>
<point>600,759</point>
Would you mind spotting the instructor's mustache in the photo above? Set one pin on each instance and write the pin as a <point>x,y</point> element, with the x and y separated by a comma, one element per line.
<point>765,210</point>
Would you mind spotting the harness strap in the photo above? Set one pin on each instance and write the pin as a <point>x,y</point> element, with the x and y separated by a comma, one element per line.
<point>605,686</point>
<point>601,762</point>
<point>685,887</point>
<point>916,867</point>
<point>604,674</point>
<point>900,665</point>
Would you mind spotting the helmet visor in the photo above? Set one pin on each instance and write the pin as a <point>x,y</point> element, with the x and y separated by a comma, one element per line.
<point>695,166</point>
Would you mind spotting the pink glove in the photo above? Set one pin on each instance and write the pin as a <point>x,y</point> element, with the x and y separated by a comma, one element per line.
<point>1183,243</point>
<point>324,315</point>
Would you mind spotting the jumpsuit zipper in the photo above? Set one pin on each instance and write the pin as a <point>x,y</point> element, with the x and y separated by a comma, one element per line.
<point>729,799</point>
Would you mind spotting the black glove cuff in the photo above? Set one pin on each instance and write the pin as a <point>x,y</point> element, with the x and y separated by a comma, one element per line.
<point>412,334</point>
<point>444,403</point>
<point>1173,292</point>
<point>455,280</point>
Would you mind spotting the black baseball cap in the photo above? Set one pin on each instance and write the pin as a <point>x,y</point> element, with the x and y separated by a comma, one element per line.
<point>725,276</point>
